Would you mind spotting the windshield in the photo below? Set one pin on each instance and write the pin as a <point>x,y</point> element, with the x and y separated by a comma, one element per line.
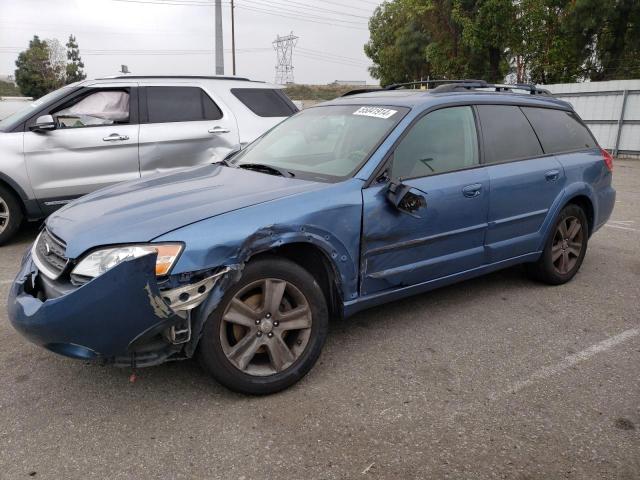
<point>21,115</point>
<point>327,143</point>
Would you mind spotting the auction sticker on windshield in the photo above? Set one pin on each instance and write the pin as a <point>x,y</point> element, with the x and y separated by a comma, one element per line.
<point>375,112</point>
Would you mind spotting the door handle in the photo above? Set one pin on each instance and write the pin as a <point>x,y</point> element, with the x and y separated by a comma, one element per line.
<point>218,130</point>
<point>471,191</point>
<point>114,137</point>
<point>552,175</point>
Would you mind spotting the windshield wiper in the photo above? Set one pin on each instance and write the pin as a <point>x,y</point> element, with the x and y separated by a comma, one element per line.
<point>260,167</point>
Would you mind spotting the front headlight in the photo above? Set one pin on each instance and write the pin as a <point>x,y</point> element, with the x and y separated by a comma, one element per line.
<point>98,262</point>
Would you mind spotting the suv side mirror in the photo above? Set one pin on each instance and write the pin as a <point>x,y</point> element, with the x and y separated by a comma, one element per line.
<point>402,198</point>
<point>44,123</point>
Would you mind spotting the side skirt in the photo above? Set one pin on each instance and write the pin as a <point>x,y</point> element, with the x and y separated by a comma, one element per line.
<point>378,298</point>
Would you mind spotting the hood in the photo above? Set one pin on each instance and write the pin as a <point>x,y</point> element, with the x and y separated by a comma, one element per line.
<point>142,210</point>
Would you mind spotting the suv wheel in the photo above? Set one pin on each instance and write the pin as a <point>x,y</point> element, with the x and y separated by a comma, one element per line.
<point>565,248</point>
<point>268,330</point>
<point>10,215</point>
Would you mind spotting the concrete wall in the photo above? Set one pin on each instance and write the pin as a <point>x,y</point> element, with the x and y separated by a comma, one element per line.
<point>610,109</point>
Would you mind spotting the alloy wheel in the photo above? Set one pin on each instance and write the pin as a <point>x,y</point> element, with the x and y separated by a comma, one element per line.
<point>4,215</point>
<point>567,246</point>
<point>266,327</point>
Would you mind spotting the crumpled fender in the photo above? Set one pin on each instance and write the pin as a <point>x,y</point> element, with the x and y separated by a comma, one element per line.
<point>105,316</point>
<point>267,239</point>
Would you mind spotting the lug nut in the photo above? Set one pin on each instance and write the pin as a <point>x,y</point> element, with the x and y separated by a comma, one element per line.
<point>276,323</point>
<point>268,315</point>
<point>270,334</point>
<point>258,322</point>
<point>259,334</point>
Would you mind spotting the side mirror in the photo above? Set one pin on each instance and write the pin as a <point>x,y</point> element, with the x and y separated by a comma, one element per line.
<point>402,198</point>
<point>44,123</point>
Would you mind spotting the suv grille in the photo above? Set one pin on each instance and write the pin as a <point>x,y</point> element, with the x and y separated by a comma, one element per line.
<point>50,255</point>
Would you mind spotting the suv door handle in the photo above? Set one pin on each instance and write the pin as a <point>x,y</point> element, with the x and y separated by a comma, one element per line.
<point>552,175</point>
<point>114,137</point>
<point>218,130</point>
<point>471,191</point>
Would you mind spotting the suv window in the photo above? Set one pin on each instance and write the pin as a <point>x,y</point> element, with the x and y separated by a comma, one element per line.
<point>507,134</point>
<point>180,104</point>
<point>558,130</point>
<point>265,102</point>
<point>439,142</point>
<point>105,107</point>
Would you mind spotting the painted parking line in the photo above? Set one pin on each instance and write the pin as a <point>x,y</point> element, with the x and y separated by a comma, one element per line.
<point>620,227</point>
<point>572,360</point>
<point>549,371</point>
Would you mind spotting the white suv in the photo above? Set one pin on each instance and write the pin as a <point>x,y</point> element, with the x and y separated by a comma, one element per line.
<point>91,134</point>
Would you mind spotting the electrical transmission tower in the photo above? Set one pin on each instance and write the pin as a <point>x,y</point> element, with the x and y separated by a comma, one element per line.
<point>284,51</point>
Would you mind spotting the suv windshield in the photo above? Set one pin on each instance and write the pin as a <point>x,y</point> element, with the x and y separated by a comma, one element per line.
<point>23,114</point>
<point>327,143</point>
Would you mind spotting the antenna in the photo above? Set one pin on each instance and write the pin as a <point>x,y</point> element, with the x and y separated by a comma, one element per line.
<point>284,51</point>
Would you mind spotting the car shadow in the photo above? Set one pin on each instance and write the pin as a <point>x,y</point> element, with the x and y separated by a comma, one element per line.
<point>188,378</point>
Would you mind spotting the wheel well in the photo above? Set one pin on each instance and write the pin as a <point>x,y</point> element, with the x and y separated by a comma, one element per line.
<point>313,260</point>
<point>585,203</point>
<point>15,194</point>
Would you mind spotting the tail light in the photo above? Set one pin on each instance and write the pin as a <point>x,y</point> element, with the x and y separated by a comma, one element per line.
<point>608,159</point>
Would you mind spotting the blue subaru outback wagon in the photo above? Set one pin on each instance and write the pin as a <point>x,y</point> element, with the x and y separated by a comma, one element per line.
<point>359,201</point>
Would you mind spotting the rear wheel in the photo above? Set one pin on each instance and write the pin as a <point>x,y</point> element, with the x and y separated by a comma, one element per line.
<point>268,330</point>
<point>10,215</point>
<point>565,248</point>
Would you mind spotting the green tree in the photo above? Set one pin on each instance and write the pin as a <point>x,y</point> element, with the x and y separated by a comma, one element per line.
<point>75,66</point>
<point>397,44</point>
<point>609,33</point>
<point>35,76</point>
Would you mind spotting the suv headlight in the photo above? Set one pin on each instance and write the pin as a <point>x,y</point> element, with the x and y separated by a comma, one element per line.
<point>99,261</point>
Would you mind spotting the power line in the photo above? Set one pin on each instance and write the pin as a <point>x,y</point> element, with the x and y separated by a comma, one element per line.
<point>274,8</point>
<point>300,18</point>
<point>291,4</point>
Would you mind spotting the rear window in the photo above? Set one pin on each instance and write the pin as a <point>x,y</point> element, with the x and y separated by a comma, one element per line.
<point>265,102</point>
<point>558,130</point>
<point>180,104</point>
<point>507,134</point>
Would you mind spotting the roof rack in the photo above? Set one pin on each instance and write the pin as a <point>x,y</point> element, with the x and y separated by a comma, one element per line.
<point>396,86</point>
<point>361,90</point>
<point>459,86</point>
<point>444,86</point>
<point>219,77</point>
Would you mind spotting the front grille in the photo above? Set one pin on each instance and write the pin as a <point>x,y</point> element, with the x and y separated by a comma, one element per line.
<point>50,253</point>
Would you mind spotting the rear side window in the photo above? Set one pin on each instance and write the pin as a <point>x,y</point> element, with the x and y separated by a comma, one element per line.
<point>265,102</point>
<point>558,130</point>
<point>180,104</point>
<point>507,134</point>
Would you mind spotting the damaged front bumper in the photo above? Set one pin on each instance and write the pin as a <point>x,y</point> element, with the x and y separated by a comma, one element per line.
<point>120,317</point>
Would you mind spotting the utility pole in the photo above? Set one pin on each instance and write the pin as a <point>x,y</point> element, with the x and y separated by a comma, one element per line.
<point>284,52</point>
<point>219,44</point>
<point>233,38</point>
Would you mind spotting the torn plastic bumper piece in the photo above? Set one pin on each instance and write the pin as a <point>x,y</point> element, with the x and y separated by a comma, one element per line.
<point>112,318</point>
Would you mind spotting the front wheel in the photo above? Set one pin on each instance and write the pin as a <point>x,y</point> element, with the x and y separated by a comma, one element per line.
<point>268,330</point>
<point>10,215</point>
<point>565,248</point>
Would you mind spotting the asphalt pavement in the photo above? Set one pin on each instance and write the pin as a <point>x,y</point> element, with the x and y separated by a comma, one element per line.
<point>497,377</point>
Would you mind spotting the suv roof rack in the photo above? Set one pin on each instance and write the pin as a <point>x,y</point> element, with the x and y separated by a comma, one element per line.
<point>219,77</point>
<point>457,85</point>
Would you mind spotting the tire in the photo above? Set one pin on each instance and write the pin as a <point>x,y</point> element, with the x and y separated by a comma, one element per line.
<point>551,267</point>
<point>10,215</point>
<point>245,322</point>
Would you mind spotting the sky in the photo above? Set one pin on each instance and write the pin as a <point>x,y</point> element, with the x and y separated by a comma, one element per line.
<point>176,37</point>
